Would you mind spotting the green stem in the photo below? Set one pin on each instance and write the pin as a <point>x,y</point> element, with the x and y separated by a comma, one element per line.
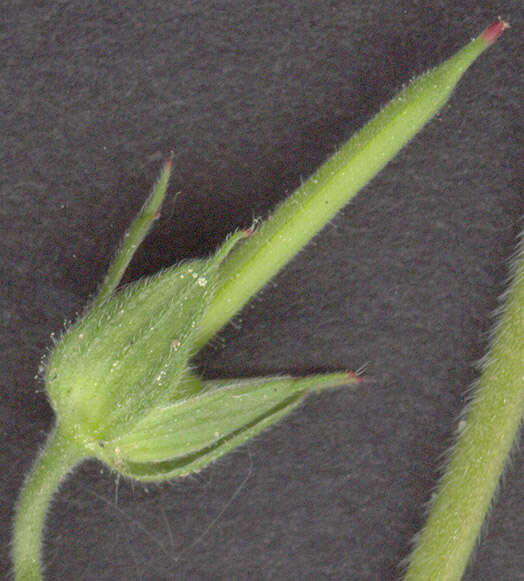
<point>58,457</point>
<point>478,458</point>
<point>134,236</point>
<point>303,214</point>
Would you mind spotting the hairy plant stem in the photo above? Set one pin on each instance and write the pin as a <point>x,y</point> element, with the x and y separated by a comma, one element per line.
<point>58,457</point>
<point>487,433</point>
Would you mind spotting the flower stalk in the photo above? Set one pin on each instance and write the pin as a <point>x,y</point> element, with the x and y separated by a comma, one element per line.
<point>486,435</point>
<point>58,457</point>
<point>120,379</point>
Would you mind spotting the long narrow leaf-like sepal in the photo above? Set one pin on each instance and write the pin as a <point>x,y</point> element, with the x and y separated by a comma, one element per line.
<point>135,235</point>
<point>188,434</point>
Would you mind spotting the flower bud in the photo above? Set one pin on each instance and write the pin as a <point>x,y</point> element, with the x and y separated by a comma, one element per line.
<point>120,382</point>
<point>127,356</point>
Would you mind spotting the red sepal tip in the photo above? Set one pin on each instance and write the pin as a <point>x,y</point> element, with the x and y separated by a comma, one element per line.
<point>168,162</point>
<point>355,376</point>
<point>493,31</point>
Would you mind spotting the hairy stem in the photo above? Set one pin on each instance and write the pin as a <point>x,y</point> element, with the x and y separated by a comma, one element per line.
<point>58,457</point>
<point>482,449</point>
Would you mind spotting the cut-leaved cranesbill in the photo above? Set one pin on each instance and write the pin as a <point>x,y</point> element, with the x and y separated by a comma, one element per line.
<point>120,379</point>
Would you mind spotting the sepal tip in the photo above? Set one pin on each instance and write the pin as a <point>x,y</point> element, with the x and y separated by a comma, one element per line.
<point>494,30</point>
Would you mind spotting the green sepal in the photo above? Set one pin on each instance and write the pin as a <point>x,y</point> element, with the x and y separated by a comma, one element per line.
<point>129,354</point>
<point>187,435</point>
<point>135,235</point>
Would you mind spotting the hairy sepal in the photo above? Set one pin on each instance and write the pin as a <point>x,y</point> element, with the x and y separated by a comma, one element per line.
<point>129,354</point>
<point>189,434</point>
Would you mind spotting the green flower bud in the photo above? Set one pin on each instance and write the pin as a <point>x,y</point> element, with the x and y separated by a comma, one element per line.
<point>120,382</point>
<point>128,356</point>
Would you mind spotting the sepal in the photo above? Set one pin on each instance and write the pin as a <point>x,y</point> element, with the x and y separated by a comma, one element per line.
<point>127,355</point>
<point>189,434</point>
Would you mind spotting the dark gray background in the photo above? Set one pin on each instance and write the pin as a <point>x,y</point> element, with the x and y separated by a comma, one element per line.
<point>252,97</point>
